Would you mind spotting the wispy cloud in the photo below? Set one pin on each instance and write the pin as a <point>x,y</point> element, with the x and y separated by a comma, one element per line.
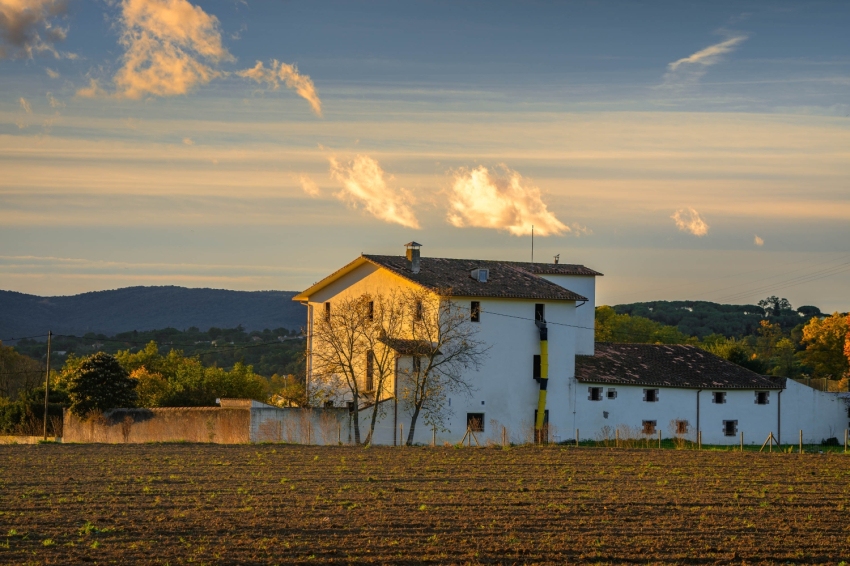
<point>505,202</point>
<point>54,102</point>
<point>277,72</point>
<point>309,186</point>
<point>25,105</point>
<point>689,69</point>
<point>28,27</point>
<point>689,220</point>
<point>171,46</point>
<point>51,73</point>
<point>364,184</point>
<point>188,141</point>
<point>758,241</point>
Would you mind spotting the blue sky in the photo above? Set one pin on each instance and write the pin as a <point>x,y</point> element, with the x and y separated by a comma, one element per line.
<point>688,150</point>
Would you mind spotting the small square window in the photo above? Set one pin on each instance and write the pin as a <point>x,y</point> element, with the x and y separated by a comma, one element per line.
<point>730,428</point>
<point>475,422</point>
<point>612,393</point>
<point>475,311</point>
<point>681,427</point>
<point>762,397</point>
<point>650,395</point>
<point>595,393</point>
<point>718,397</point>
<point>649,427</point>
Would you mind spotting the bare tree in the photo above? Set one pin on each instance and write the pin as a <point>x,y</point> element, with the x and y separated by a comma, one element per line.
<point>385,320</point>
<point>339,351</point>
<point>444,347</point>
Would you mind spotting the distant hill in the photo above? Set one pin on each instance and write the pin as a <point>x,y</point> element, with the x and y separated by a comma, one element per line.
<point>147,308</point>
<point>701,318</point>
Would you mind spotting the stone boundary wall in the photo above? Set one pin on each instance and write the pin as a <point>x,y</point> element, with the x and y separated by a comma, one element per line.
<point>172,424</point>
<point>320,426</point>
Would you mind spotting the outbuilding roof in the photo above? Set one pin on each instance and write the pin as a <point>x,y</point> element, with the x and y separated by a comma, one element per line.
<point>505,279</point>
<point>667,365</point>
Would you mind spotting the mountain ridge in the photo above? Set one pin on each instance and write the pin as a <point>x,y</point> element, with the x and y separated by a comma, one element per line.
<point>147,308</point>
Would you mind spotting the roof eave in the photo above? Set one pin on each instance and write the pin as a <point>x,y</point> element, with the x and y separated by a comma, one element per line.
<point>345,270</point>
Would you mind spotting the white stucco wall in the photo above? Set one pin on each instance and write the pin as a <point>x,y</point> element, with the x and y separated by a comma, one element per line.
<point>819,414</point>
<point>585,313</point>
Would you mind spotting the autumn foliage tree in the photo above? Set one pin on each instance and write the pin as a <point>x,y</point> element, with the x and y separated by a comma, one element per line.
<point>827,346</point>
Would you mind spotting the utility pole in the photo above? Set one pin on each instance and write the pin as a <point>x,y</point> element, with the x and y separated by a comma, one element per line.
<point>47,383</point>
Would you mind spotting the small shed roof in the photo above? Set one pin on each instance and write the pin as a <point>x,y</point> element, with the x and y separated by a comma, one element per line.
<point>667,365</point>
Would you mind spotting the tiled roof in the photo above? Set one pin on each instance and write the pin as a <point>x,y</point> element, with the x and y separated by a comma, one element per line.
<point>553,268</point>
<point>663,365</point>
<point>452,276</point>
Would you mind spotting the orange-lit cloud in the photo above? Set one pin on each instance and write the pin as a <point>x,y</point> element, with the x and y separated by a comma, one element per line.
<point>277,72</point>
<point>28,27</point>
<point>171,46</point>
<point>309,186</point>
<point>482,200</point>
<point>758,241</point>
<point>25,105</point>
<point>364,184</point>
<point>689,220</point>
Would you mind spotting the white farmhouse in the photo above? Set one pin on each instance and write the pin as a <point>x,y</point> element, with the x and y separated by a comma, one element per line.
<point>538,322</point>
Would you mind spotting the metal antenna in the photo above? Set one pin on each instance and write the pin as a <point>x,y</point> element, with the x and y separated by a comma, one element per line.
<point>532,243</point>
<point>47,384</point>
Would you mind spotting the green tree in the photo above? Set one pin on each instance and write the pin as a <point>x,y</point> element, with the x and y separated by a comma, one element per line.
<point>100,383</point>
<point>774,306</point>
<point>624,328</point>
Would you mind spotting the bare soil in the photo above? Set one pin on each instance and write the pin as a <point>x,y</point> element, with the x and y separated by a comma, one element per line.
<point>277,504</point>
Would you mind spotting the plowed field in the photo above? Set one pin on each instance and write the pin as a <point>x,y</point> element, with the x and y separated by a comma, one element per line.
<point>172,504</point>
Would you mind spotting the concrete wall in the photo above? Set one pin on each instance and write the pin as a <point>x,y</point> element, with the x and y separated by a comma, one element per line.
<point>190,424</point>
<point>819,414</point>
<point>323,426</point>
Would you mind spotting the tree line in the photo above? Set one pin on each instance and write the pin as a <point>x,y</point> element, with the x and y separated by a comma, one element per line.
<point>814,346</point>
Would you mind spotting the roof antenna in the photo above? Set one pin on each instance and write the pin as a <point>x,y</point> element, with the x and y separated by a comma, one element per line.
<point>557,259</point>
<point>532,243</point>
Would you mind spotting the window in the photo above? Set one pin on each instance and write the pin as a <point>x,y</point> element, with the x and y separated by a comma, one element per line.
<point>595,393</point>
<point>417,364</point>
<point>718,397</point>
<point>650,395</point>
<point>370,310</point>
<point>762,397</point>
<point>418,314</point>
<point>540,312</point>
<point>480,275</point>
<point>475,422</point>
<point>681,427</point>
<point>730,428</point>
<point>370,370</point>
<point>475,311</point>
<point>328,311</point>
<point>649,427</point>
<point>612,393</point>
<point>535,370</point>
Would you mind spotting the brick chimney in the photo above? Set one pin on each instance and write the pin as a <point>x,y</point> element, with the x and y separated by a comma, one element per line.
<point>413,256</point>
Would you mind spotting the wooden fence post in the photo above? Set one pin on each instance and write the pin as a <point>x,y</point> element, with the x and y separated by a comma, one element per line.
<point>339,433</point>
<point>742,441</point>
<point>801,441</point>
<point>659,439</point>
<point>617,438</point>
<point>434,437</point>
<point>699,440</point>
<point>576,438</point>
<point>401,436</point>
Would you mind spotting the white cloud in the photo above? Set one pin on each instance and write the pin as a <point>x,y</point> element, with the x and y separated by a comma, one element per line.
<point>28,27</point>
<point>277,72</point>
<point>54,102</point>
<point>363,184</point>
<point>51,73</point>
<point>758,241</point>
<point>25,105</point>
<point>688,220</point>
<point>309,186</point>
<point>689,69</point>
<point>171,46</point>
<point>479,199</point>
